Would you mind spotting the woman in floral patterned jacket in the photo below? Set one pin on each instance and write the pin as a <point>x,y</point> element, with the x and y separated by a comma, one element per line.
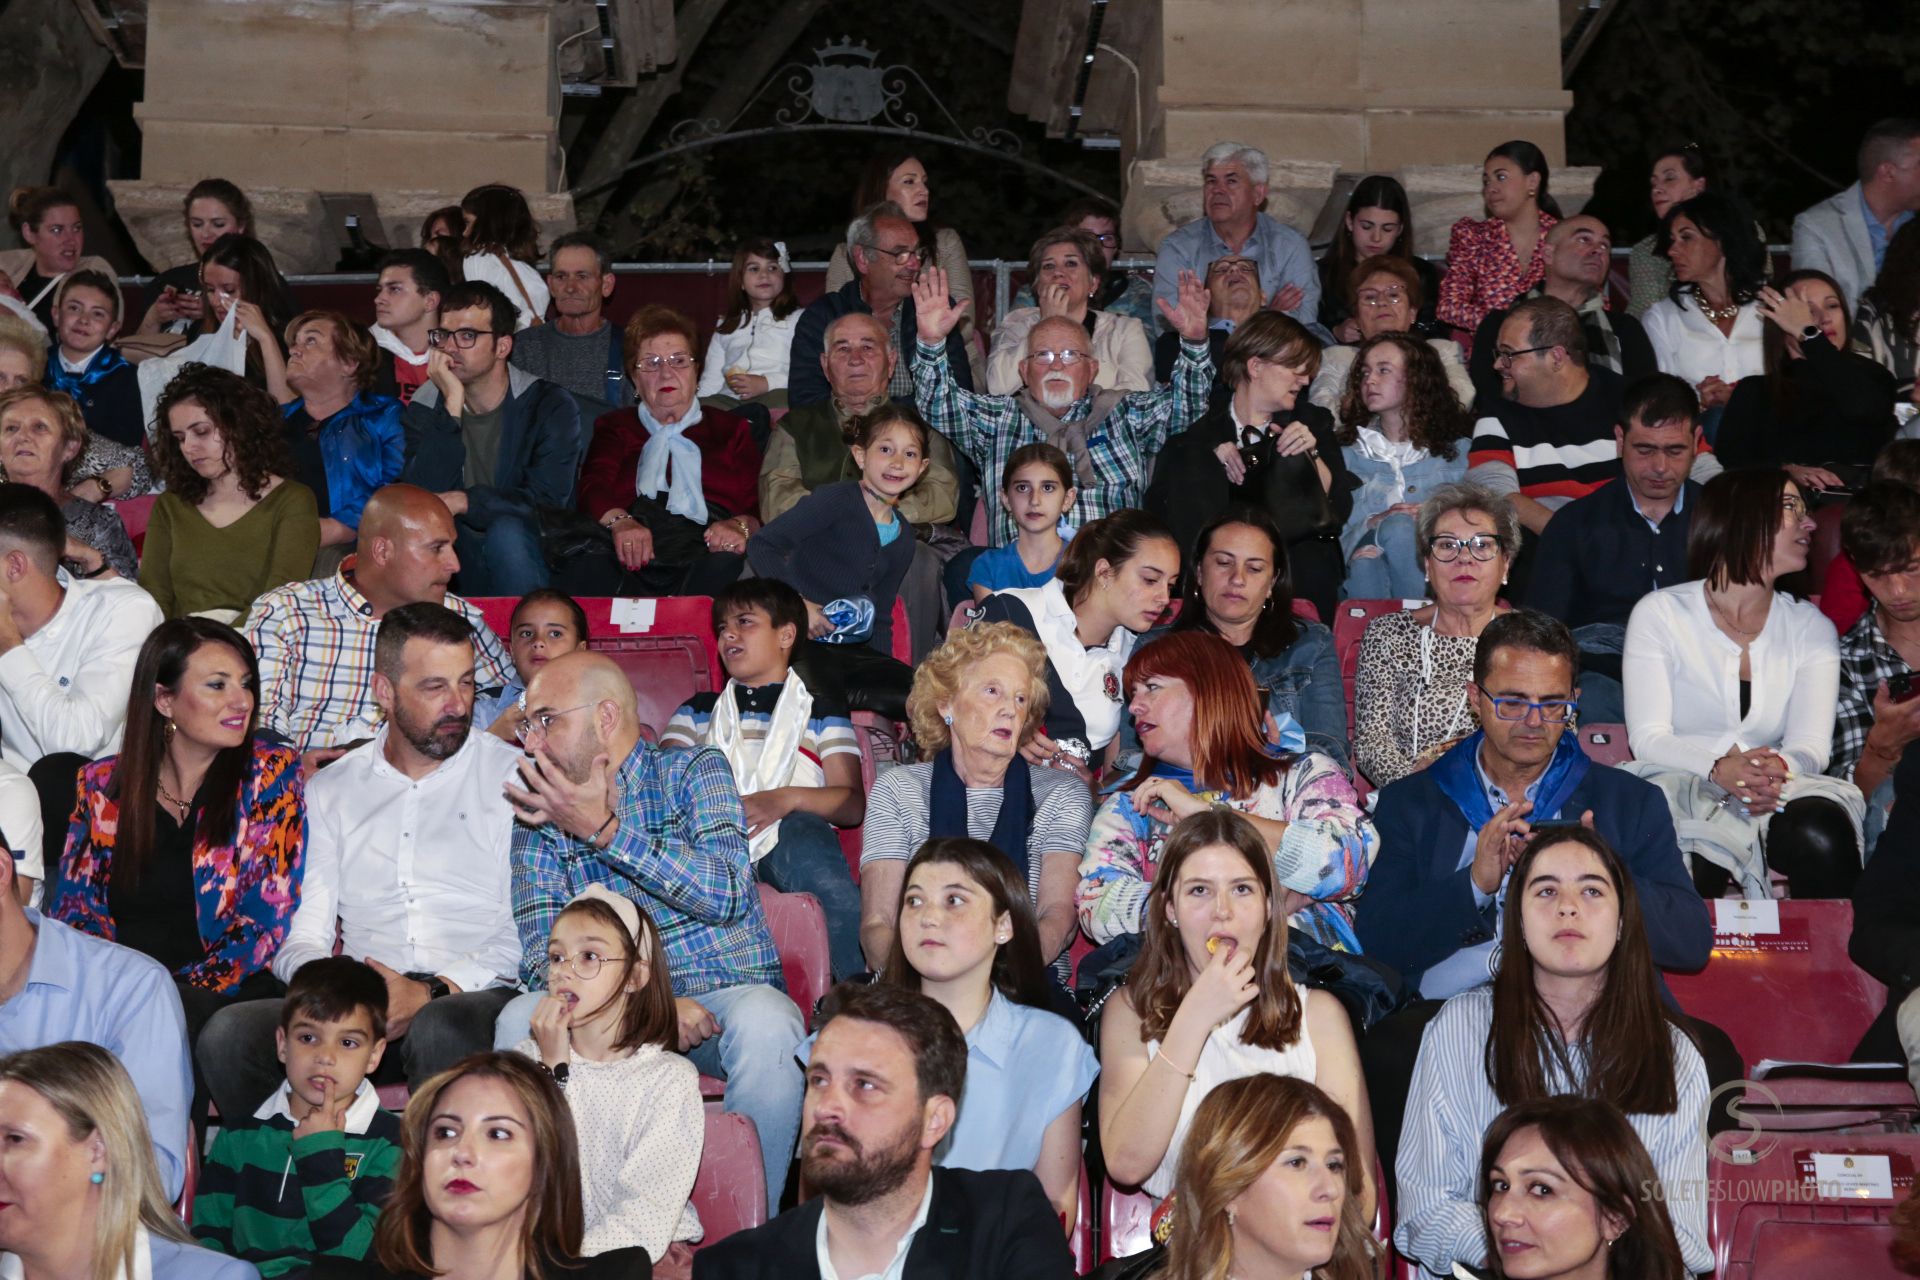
<point>188,846</point>
<point>1200,722</point>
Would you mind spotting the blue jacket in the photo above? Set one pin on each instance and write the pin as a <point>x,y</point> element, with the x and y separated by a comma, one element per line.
<point>541,443</point>
<point>807,381</point>
<point>1418,907</point>
<point>175,1261</point>
<point>362,447</point>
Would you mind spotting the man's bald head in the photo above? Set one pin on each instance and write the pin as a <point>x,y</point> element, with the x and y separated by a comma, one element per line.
<point>405,550</point>
<point>589,706</point>
<point>1579,253</point>
<point>583,676</point>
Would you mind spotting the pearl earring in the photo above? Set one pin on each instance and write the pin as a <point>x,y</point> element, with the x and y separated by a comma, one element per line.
<point>1229,1215</point>
<point>948,720</point>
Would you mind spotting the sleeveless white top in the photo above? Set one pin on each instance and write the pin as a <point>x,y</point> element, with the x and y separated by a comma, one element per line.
<point>1226,1057</point>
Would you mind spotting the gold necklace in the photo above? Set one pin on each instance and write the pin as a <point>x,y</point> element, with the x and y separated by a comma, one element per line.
<point>1727,618</point>
<point>171,799</point>
<point>1716,314</point>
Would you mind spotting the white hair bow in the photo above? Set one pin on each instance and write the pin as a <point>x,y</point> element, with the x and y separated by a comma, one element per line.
<point>780,247</point>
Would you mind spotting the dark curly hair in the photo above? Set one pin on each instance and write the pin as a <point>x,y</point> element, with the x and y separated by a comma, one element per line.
<point>249,422</point>
<point>1435,420</point>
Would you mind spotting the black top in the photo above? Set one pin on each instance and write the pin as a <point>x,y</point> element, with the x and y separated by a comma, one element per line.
<point>1333,302</point>
<point>303,449</point>
<point>158,914</point>
<point>994,1225</point>
<point>1841,411</point>
<point>1166,350</point>
<point>1886,912</point>
<point>615,1264</point>
<point>30,286</point>
<point>1598,556</point>
<point>1636,351</point>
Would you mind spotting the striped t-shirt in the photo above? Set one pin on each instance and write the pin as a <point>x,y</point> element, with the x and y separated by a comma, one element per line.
<point>829,729</point>
<point>1552,455</point>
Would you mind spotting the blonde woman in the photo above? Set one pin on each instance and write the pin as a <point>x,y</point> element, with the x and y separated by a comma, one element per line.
<point>82,1192</point>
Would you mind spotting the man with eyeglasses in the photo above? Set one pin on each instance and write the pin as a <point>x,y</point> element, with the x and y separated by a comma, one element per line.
<point>599,804</point>
<point>409,845</point>
<point>1233,191</point>
<point>887,257</point>
<point>1579,256</point>
<point>495,442</point>
<point>1110,437</point>
<point>1233,296</point>
<point>1450,833</point>
<point>1386,295</point>
<point>406,308</point>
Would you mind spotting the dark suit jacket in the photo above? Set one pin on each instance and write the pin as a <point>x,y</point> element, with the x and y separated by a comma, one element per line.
<point>1418,908</point>
<point>1886,912</point>
<point>980,1226</point>
<point>807,381</point>
<point>615,1264</point>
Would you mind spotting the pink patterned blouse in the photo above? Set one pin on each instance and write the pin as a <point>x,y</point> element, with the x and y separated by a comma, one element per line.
<point>1483,272</point>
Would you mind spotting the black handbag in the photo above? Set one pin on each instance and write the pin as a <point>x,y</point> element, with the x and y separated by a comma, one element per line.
<point>1288,489</point>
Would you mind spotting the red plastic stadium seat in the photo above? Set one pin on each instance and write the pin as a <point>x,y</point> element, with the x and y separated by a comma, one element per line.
<point>1825,544</point>
<point>1126,1222</point>
<point>730,1191</point>
<point>1605,743</point>
<point>1350,619</point>
<point>1767,1220</point>
<point>134,514</point>
<point>799,929</point>
<point>1305,608</point>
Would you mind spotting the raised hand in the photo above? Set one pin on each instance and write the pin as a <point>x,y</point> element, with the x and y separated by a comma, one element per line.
<point>1187,315</point>
<point>934,312</point>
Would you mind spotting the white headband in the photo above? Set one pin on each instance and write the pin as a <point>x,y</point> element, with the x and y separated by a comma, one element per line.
<point>623,907</point>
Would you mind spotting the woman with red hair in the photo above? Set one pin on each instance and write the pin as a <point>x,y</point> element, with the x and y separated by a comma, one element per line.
<point>1200,721</point>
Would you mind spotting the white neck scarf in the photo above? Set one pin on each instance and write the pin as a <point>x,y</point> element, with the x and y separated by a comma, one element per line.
<point>388,340</point>
<point>1373,443</point>
<point>780,762</point>
<point>668,441</point>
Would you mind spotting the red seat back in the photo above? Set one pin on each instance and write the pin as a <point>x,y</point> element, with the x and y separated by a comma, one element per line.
<point>1126,1222</point>
<point>1768,1221</point>
<point>1794,995</point>
<point>1305,608</point>
<point>1605,743</point>
<point>1350,621</point>
<point>184,1205</point>
<point>669,658</point>
<point>730,1191</point>
<point>799,930</point>
<point>1825,544</point>
<point>134,514</point>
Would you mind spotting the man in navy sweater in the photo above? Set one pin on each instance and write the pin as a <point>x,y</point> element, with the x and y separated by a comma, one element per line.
<point>1450,833</point>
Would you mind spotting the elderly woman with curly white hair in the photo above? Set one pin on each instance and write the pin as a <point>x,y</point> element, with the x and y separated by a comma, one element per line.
<point>975,701</point>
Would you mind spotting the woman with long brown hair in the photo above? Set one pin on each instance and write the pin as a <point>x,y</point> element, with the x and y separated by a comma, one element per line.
<point>1200,720</point>
<point>1271,1185</point>
<point>967,939</point>
<point>501,240</point>
<point>1210,1000</point>
<point>489,1185</point>
<point>1574,1007</point>
<point>1564,1185</point>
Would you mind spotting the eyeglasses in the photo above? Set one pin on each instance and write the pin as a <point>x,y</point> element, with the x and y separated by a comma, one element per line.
<point>1381,297</point>
<point>1552,710</point>
<point>461,338</point>
<point>586,965</point>
<point>541,722</point>
<point>1507,355</point>
<point>1795,507</point>
<point>1446,548</point>
<point>1065,359</point>
<point>901,256</point>
<point>1106,237</point>
<point>1234,267</point>
<point>654,364</point>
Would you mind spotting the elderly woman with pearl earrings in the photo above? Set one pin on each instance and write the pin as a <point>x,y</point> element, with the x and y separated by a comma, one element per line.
<point>1410,698</point>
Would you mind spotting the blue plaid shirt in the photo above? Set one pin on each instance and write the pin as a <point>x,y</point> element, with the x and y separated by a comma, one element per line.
<point>680,852</point>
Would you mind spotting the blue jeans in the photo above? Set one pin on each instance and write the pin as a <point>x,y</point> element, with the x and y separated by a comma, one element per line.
<point>808,859</point>
<point>760,1031</point>
<point>504,559</point>
<point>1396,573</point>
<point>1602,700</point>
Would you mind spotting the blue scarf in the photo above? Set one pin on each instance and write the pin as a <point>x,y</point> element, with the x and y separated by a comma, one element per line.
<point>947,806</point>
<point>105,363</point>
<point>1458,775</point>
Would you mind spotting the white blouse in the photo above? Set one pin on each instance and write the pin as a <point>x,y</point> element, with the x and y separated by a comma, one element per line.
<point>488,267</point>
<point>1682,679</point>
<point>1690,346</point>
<point>760,346</point>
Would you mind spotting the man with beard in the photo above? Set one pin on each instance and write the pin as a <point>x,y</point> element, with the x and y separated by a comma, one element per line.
<point>599,804</point>
<point>408,842</point>
<point>884,1083</point>
<point>1111,437</point>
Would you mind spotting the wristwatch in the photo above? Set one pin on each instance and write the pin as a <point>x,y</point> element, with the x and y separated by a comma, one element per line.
<point>558,1071</point>
<point>1811,332</point>
<point>435,984</point>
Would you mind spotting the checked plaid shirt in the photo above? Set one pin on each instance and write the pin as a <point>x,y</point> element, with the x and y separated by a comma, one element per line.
<point>315,643</point>
<point>1866,660</point>
<point>680,852</point>
<point>989,428</point>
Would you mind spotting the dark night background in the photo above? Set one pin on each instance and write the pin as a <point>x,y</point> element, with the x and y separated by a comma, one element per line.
<point>1776,91</point>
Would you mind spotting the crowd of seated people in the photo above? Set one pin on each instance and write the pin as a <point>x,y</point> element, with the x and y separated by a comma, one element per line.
<point>1236,844</point>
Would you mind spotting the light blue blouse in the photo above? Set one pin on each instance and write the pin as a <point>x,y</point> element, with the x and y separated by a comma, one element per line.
<point>1024,1067</point>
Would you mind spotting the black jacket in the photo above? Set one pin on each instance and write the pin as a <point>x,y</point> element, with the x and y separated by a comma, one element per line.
<point>981,1226</point>
<point>615,1264</point>
<point>1840,412</point>
<point>541,444</point>
<point>1886,912</point>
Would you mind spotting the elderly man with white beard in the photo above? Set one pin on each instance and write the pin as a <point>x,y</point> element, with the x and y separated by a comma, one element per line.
<point>1111,437</point>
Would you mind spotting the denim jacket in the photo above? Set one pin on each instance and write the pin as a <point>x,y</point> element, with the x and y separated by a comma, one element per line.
<point>1302,681</point>
<point>1377,482</point>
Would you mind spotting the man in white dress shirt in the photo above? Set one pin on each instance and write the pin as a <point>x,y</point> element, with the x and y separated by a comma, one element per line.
<point>408,845</point>
<point>67,650</point>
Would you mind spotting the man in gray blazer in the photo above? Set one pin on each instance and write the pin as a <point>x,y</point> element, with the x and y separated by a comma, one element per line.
<point>1846,235</point>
